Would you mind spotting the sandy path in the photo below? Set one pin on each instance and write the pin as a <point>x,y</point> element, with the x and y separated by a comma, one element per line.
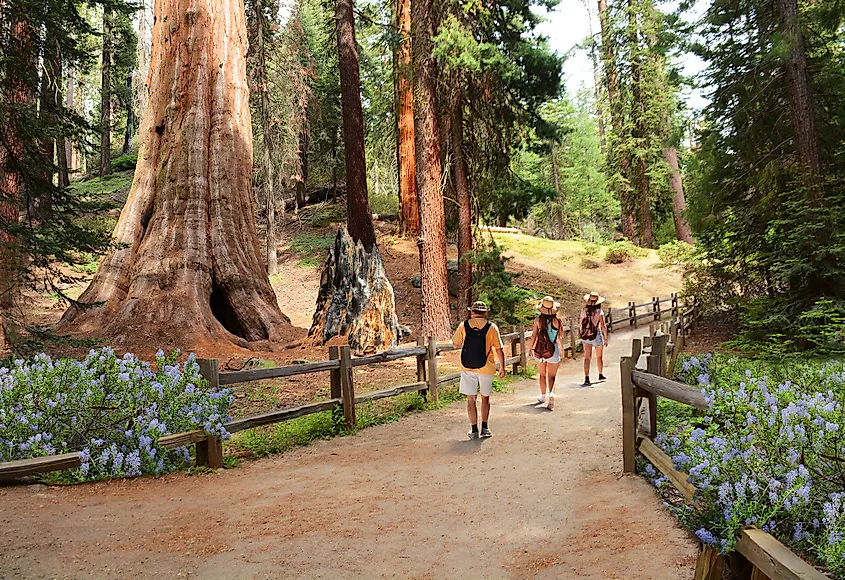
<point>544,498</point>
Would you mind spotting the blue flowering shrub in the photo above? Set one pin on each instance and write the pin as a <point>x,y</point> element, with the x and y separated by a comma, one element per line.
<point>111,409</point>
<point>769,452</point>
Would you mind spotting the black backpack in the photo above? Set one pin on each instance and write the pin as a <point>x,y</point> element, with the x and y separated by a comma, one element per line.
<point>589,330</point>
<point>474,351</point>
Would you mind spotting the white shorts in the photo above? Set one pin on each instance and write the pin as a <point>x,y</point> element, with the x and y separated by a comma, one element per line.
<point>554,359</point>
<point>472,382</point>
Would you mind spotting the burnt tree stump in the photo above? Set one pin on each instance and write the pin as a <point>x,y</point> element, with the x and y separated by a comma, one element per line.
<point>355,305</point>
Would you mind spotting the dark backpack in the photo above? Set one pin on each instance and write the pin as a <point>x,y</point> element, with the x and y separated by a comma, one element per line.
<point>589,330</point>
<point>544,348</point>
<point>474,351</point>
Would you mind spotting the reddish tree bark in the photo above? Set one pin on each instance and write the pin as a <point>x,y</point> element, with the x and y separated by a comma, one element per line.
<point>432,241</point>
<point>188,271</point>
<point>801,98</point>
<point>11,183</point>
<point>409,209</point>
<point>360,220</point>
<point>105,97</point>
<point>460,179</point>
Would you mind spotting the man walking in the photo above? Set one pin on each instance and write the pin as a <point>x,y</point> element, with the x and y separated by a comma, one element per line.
<point>479,340</point>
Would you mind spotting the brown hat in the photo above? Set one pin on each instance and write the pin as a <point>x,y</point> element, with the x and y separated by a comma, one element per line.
<point>548,303</point>
<point>593,297</point>
<point>478,306</point>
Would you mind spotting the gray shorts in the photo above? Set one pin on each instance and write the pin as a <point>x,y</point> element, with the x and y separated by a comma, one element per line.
<point>597,341</point>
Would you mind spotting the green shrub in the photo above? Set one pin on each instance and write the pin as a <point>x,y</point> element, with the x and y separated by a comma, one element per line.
<point>494,285</point>
<point>589,263</point>
<point>591,249</point>
<point>623,251</point>
<point>124,162</point>
<point>676,253</point>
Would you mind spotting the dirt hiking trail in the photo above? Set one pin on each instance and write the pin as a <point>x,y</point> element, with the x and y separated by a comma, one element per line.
<point>544,498</point>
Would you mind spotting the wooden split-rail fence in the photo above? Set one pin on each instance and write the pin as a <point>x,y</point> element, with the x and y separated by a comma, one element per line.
<point>209,449</point>
<point>644,378</point>
<point>681,309</point>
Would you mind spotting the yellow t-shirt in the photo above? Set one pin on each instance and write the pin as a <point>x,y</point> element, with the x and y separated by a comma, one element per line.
<point>494,341</point>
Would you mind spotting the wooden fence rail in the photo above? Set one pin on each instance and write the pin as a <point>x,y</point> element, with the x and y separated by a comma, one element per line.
<point>209,449</point>
<point>769,559</point>
<point>654,310</point>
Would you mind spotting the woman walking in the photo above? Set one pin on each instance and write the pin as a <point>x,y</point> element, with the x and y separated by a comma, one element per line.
<point>593,334</point>
<point>545,347</point>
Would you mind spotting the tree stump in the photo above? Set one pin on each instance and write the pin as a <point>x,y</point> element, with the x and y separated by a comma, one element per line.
<point>355,302</point>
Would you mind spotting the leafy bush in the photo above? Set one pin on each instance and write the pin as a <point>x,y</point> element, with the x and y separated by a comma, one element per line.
<point>112,410</point>
<point>676,253</point>
<point>494,285</point>
<point>125,162</point>
<point>769,452</point>
<point>623,251</point>
<point>591,248</point>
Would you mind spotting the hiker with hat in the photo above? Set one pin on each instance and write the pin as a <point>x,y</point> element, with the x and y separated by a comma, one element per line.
<point>481,345</point>
<point>546,341</point>
<point>593,334</point>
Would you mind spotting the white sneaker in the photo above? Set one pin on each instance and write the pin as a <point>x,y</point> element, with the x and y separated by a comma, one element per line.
<point>551,404</point>
<point>541,398</point>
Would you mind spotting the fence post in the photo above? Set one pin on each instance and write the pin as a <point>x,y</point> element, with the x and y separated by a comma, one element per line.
<point>432,370</point>
<point>632,307</point>
<point>629,410</point>
<point>636,350</point>
<point>676,352</point>
<point>514,342</point>
<point>674,304</point>
<point>609,319</point>
<point>655,306</point>
<point>653,368</point>
<point>210,451</point>
<point>421,367</point>
<point>334,374</point>
<point>523,354</point>
<point>710,564</point>
<point>347,386</point>
<point>572,339</point>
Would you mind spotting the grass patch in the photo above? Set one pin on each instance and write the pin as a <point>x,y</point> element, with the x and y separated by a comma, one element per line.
<point>539,247</point>
<point>301,431</point>
<point>384,203</point>
<point>115,185</point>
<point>310,262</point>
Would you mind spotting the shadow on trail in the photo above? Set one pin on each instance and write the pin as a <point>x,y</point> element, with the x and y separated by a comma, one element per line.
<point>466,446</point>
<point>530,408</point>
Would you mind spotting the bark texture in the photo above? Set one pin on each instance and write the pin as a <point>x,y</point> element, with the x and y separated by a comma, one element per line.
<point>360,221</point>
<point>11,185</point>
<point>679,201</point>
<point>105,97</point>
<point>617,118</point>
<point>270,255</point>
<point>432,241</point>
<point>409,209</point>
<point>460,179</point>
<point>355,303</point>
<point>189,270</point>
<point>801,97</point>
<point>130,116</point>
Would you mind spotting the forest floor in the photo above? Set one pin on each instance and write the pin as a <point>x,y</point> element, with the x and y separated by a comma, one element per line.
<point>544,498</point>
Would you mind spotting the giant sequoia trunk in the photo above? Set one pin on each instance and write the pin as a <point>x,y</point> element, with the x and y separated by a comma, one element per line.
<point>188,270</point>
<point>105,96</point>
<point>11,180</point>
<point>459,174</point>
<point>360,220</point>
<point>432,241</point>
<point>801,98</point>
<point>409,209</point>
<point>355,304</point>
<point>619,161</point>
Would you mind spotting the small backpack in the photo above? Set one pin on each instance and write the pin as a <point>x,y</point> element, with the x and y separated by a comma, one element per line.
<point>544,348</point>
<point>474,351</point>
<point>589,330</point>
